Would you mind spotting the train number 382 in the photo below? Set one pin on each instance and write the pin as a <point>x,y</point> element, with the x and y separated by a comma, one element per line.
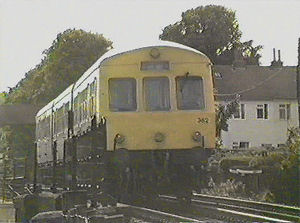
<point>202,120</point>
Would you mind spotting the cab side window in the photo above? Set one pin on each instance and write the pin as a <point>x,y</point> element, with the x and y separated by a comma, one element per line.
<point>190,94</point>
<point>122,94</point>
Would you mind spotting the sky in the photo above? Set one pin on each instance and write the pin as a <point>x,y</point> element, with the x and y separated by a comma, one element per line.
<point>27,27</point>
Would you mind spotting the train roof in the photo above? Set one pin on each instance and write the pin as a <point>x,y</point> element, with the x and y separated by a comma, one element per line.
<point>88,74</point>
<point>57,100</point>
<point>119,51</point>
<point>159,43</point>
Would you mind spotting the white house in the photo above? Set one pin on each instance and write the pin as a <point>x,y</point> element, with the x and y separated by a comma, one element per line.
<point>268,103</point>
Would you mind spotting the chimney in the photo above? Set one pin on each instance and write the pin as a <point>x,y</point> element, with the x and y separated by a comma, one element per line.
<point>276,63</point>
<point>279,59</point>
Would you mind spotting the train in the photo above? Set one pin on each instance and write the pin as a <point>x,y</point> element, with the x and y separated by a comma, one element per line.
<point>138,121</point>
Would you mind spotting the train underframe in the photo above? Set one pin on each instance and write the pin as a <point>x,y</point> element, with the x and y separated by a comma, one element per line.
<point>124,175</point>
<point>150,173</point>
<point>88,166</point>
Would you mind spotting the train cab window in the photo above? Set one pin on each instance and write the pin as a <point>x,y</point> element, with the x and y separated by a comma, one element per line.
<point>157,94</point>
<point>190,95</point>
<point>122,94</point>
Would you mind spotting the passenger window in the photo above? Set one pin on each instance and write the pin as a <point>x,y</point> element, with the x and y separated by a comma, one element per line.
<point>190,94</point>
<point>157,94</point>
<point>122,94</point>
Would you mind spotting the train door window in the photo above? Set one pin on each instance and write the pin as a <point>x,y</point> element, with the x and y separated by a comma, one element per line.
<point>122,94</point>
<point>157,94</point>
<point>48,126</point>
<point>66,110</point>
<point>76,111</point>
<point>54,123</point>
<point>59,120</point>
<point>190,95</point>
<point>80,113</point>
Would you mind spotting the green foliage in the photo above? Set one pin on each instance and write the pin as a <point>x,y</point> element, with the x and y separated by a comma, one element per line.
<point>70,54</point>
<point>213,30</point>
<point>230,188</point>
<point>280,168</point>
<point>228,162</point>
<point>254,159</point>
<point>223,114</point>
<point>273,160</point>
<point>250,53</point>
<point>2,135</point>
<point>2,97</point>
<point>286,187</point>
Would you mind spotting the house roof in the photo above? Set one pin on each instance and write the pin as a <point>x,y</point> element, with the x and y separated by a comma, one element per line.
<point>255,82</point>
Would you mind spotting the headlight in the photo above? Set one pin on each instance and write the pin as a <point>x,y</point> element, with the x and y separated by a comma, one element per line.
<point>197,137</point>
<point>159,137</point>
<point>119,139</point>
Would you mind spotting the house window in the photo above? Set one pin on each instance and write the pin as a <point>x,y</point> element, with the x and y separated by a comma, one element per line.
<point>284,111</point>
<point>266,145</point>
<point>244,145</point>
<point>240,113</point>
<point>262,111</point>
<point>235,145</point>
<point>280,145</point>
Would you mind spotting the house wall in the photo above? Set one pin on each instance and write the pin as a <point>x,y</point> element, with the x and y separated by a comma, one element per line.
<point>261,131</point>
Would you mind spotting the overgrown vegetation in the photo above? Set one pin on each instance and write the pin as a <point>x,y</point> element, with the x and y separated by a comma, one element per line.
<point>214,30</point>
<point>286,188</point>
<point>71,53</point>
<point>229,188</point>
<point>279,181</point>
<point>224,112</point>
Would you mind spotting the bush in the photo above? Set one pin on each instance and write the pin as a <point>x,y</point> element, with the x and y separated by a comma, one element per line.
<point>227,162</point>
<point>230,188</point>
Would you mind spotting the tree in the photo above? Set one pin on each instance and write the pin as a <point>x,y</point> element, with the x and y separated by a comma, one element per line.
<point>223,114</point>
<point>213,30</point>
<point>70,54</point>
<point>286,189</point>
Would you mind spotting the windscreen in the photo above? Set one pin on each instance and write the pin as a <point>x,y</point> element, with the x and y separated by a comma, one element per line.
<point>190,94</point>
<point>157,94</point>
<point>122,94</point>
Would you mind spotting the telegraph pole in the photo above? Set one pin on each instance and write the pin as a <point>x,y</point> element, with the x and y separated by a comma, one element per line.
<point>298,81</point>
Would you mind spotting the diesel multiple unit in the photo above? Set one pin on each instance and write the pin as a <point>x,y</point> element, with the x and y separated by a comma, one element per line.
<point>138,120</point>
